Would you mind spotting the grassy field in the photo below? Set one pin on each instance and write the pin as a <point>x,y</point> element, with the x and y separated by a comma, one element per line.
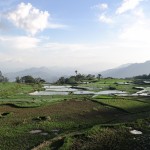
<point>129,105</point>
<point>73,122</point>
<point>118,84</point>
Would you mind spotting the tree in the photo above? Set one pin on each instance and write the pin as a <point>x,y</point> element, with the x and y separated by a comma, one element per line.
<point>2,78</point>
<point>1,73</point>
<point>70,80</point>
<point>27,79</point>
<point>144,76</point>
<point>90,77</point>
<point>76,72</point>
<point>39,80</point>
<point>80,77</point>
<point>18,80</point>
<point>99,76</point>
<point>61,80</point>
<point>5,79</point>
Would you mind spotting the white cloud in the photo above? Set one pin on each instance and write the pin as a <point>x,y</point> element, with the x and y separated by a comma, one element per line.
<point>26,51</point>
<point>130,33</point>
<point>136,27</point>
<point>128,5</point>
<point>103,18</point>
<point>137,32</point>
<point>31,19</point>
<point>139,13</point>
<point>130,43</point>
<point>19,42</point>
<point>102,6</point>
<point>55,26</point>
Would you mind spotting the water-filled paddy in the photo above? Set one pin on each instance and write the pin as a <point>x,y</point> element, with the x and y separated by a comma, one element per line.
<point>66,90</point>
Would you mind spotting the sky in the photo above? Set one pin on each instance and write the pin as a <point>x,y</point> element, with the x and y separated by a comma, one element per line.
<point>89,35</point>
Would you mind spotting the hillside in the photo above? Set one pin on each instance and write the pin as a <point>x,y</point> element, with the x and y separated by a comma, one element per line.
<point>41,72</point>
<point>128,70</point>
<point>52,74</point>
<point>48,74</point>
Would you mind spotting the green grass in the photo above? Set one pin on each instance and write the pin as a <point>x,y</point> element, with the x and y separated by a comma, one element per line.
<point>105,84</point>
<point>65,116</point>
<point>8,90</point>
<point>111,137</point>
<point>104,97</point>
<point>84,122</point>
<point>128,105</point>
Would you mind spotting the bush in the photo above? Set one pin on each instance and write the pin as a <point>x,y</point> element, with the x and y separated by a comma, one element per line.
<point>112,88</point>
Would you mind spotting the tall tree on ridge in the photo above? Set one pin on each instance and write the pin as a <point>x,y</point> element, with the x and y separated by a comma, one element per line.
<point>76,72</point>
<point>99,76</point>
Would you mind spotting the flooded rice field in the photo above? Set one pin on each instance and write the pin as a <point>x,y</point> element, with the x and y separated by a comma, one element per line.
<point>66,90</point>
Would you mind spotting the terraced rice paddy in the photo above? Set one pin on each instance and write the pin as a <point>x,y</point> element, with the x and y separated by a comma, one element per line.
<point>72,121</point>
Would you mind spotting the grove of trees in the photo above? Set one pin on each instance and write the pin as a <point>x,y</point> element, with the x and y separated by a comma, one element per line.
<point>29,79</point>
<point>75,79</point>
<point>2,78</point>
<point>144,76</point>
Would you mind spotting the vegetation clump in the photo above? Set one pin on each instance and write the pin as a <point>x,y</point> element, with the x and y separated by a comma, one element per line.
<point>5,114</point>
<point>29,79</point>
<point>78,78</point>
<point>74,121</point>
<point>42,118</point>
<point>2,78</point>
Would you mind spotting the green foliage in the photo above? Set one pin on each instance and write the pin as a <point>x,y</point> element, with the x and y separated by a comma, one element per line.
<point>111,88</point>
<point>104,97</point>
<point>29,79</point>
<point>128,105</point>
<point>8,90</point>
<point>98,123</point>
<point>99,76</point>
<point>71,80</point>
<point>68,142</point>
<point>144,76</point>
<point>61,80</point>
<point>2,78</point>
<point>79,78</point>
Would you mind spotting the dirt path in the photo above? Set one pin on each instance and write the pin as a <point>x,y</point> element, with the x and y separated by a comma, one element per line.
<point>47,143</point>
<point>58,138</point>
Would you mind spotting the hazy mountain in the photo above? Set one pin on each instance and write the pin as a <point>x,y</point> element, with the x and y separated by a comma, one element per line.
<point>53,73</point>
<point>124,65</point>
<point>128,70</point>
<point>49,74</point>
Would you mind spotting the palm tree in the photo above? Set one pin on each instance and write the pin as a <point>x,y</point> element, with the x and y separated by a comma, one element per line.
<point>99,76</point>
<point>76,72</point>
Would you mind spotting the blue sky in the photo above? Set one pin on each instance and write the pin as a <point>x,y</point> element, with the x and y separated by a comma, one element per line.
<point>90,35</point>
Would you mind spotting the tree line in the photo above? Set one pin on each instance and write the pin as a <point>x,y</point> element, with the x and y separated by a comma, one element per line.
<point>2,78</point>
<point>24,79</point>
<point>144,76</point>
<point>29,79</point>
<point>78,78</point>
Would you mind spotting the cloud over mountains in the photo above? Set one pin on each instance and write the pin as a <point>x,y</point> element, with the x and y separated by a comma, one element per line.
<point>128,5</point>
<point>30,19</point>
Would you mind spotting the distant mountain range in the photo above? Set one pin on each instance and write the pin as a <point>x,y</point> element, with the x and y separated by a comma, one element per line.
<point>52,74</point>
<point>128,70</point>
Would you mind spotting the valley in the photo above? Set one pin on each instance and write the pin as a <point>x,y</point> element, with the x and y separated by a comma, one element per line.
<point>74,121</point>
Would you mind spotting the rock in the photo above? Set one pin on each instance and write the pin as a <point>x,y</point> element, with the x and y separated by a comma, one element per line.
<point>35,131</point>
<point>44,133</point>
<point>135,132</point>
<point>42,118</point>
